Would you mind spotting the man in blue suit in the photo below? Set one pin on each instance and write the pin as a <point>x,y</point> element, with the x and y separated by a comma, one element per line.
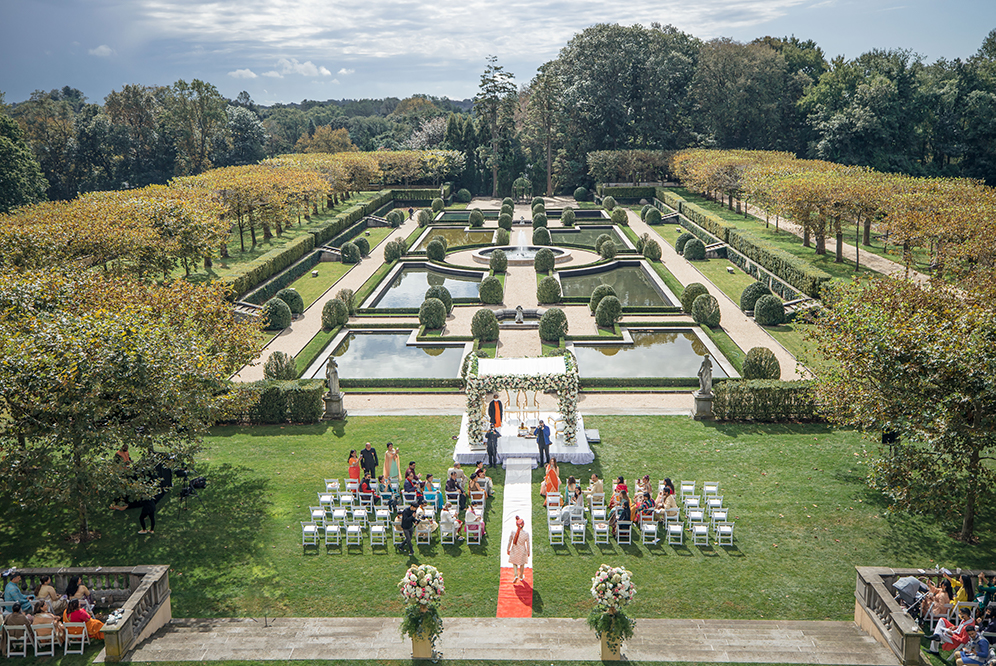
<point>543,441</point>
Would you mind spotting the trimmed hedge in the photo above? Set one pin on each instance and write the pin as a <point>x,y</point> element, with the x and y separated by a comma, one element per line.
<point>437,205</point>
<point>608,312</point>
<point>608,250</point>
<point>539,220</point>
<point>476,218</point>
<point>293,300</point>
<point>694,250</point>
<point>679,245</point>
<point>600,292</point>
<point>541,236</point>
<point>503,237</point>
<point>750,294</point>
<point>276,315</point>
<point>761,364</point>
<point>335,313</point>
<point>705,310</point>
<point>435,251</point>
<point>690,293</point>
<point>653,216</point>
<point>424,217</point>
<point>463,195</point>
<point>298,401</point>
<point>619,216</point>
<point>553,324</point>
<point>347,296</point>
<point>626,382</point>
<point>567,217</point>
<point>548,291</point>
<point>432,314</point>
<point>394,250</point>
<point>508,201</point>
<point>601,240</point>
<point>628,192</point>
<point>505,221</point>
<point>442,293</point>
<point>545,260</point>
<point>769,311</point>
<point>764,400</point>
<point>652,250</point>
<point>248,275</point>
<point>498,262</point>
<point>288,276</point>
<point>581,194</point>
<point>363,245</point>
<point>537,200</point>
<point>350,253</point>
<point>402,383</point>
<point>280,366</point>
<point>484,326</point>
<point>491,291</point>
<point>796,271</point>
<point>608,203</point>
<point>395,217</point>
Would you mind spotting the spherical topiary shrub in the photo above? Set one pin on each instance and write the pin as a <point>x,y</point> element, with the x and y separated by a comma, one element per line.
<point>694,250</point>
<point>498,261</point>
<point>619,216</point>
<point>600,292</point>
<point>347,296</point>
<point>608,203</point>
<point>567,217</point>
<point>505,221</point>
<point>476,218</point>
<point>581,194</point>
<point>463,195</point>
<point>537,200</point>
<point>432,314</point>
<point>437,205</point>
<point>705,310</point>
<point>541,236</point>
<point>350,253</point>
<point>395,217</point>
<point>761,364</point>
<point>538,207</point>
<point>363,245</point>
<point>394,250</point>
<point>644,211</point>
<point>502,237</point>
<point>750,294</point>
<point>653,216</point>
<point>679,245</point>
<point>335,313</point>
<point>691,292</point>
<point>436,251</point>
<point>490,291</point>
<point>652,250</point>
<point>507,208</point>
<point>280,366</point>
<point>508,201</point>
<point>608,250</point>
<point>603,238</point>
<point>424,217</point>
<point>276,315</point>
<point>441,239</point>
<point>443,294</point>
<point>553,325</point>
<point>293,299</point>
<point>544,260</point>
<point>484,325</point>
<point>608,312</point>
<point>769,311</point>
<point>539,220</point>
<point>548,290</point>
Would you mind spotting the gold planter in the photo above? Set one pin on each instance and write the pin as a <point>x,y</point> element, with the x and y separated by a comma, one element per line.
<point>421,648</point>
<point>610,653</point>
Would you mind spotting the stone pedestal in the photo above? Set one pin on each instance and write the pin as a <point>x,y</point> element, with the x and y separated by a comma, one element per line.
<point>334,410</point>
<point>703,406</point>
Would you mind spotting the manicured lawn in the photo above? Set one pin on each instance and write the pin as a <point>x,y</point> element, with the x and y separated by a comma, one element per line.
<point>804,519</point>
<point>311,288</point>
<point>792,337</point>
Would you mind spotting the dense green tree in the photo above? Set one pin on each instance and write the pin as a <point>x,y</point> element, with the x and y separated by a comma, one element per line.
<point>195,112</point>
<point>21,178</point>
<point>248,136</point>
<point>494,104</point>
<point>542,120</point>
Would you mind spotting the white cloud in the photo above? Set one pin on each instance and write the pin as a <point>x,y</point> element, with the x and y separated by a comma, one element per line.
<point>347,71</point>
<point>243,74</point>
<point>307,68</point>
<point>273,74</point>
<point>102,51</point>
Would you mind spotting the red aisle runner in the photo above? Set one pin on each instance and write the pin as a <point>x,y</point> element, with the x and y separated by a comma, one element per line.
<point>515,600</point>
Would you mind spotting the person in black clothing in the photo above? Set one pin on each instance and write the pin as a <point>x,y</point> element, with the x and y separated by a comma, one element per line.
<point>148,511</point>
<point>453,486</point>
<point>543,441</point>
<point>368,460</point>
<point>492,440</point>
<point>408,523</point>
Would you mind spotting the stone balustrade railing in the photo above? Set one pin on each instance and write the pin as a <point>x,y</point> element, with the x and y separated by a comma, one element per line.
<point>877,612</point>
<point>141,592</point>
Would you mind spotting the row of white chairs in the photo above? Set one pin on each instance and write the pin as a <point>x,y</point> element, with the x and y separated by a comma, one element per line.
<point>18,639</point>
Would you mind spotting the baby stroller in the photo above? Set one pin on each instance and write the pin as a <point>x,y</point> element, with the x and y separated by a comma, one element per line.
<point>909,593</point>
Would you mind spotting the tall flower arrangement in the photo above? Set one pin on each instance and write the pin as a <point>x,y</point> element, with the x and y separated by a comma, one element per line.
<point>612,588</point>
<point>422,588</point>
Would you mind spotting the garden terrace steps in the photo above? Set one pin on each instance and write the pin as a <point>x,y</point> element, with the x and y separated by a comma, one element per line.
<point>514,639</point>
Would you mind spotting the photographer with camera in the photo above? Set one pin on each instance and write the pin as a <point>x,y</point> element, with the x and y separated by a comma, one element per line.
<point>408,523</point>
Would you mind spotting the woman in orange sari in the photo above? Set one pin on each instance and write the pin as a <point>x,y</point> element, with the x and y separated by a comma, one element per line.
<point>76,614</point>
<point>551,482</point>
<point>353,462</point>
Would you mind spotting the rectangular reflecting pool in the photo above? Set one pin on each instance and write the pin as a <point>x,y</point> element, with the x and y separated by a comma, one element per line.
<point>586,236</point>
<point>464,215</point>
<point>652,354</point>
<point>384,355</point>
<point>632,284</point>
<point>456,237</point>
<point>407,289</point>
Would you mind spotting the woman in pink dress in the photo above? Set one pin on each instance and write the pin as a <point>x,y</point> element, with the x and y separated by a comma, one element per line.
<point>518,550</point>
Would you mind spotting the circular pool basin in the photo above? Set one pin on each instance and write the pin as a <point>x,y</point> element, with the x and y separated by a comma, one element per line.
<point>521,255</point>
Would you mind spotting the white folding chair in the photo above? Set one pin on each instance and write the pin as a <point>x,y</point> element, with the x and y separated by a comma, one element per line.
<point>347,500</point>
<point>447,533</point>
<point>398,534</point>
<point>309,534</point>
<point>556,531</point>
<point>724,537</point>
<point>648,527</point>
<point>453,497</point>
<point>675,534</point>
<point>597,503</point>
<point>624,532</point>
<point>378,535</point>
<point>672,515</point>
<point>474,533</point>
<point>17,640</point>
<point>430,496</point>
<point>360,517</point>
<point>354,535</point>
<point>687,488</point>
<point>695,517</point>
<point>601,532</point>
<point>76,638</point>
<point>382,516</point>
<point>691,501</point>
<point>720,516</point>
<point>332,486</point>
<point>478,499</point>
<point>318,516</point>
<point>327,500</point>
<point>713,503</point>
<point>710,488</point>
<point>423,533</point>
<point>340,516</point>
<point>333,535</point>
<point>579,528</point>
<point>352,486</point>
<point>44,644</point>
<point>700,534</point>
<point>366,500</point>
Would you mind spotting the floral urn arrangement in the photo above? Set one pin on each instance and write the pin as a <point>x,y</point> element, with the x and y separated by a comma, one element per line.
<point>422,589</point>
<point>612,588</point>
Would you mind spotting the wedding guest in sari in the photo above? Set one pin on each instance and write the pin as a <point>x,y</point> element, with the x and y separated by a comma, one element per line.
<point>76,613</point>
<point>448,518</point>
<point>43,617</point>
<point>47,593</point>
<point>353,464</point>
<point>551,482</point>
<point>392,465</point>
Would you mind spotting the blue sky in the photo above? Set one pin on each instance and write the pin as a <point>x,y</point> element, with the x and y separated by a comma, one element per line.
<point>288,50</point>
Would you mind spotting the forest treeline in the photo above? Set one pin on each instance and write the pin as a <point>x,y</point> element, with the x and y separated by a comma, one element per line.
<point>611,87</point>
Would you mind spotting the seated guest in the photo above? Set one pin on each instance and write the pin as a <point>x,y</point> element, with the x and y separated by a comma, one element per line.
<point>424,522</point>
<point>413,485</point>
<point>474,518</point>
<point>436,492</point>
<point>621,512</point>
<point>664,505</point>
<point>43,617</point>
<point>938,600</point>
<point>77,590</point>
<point>448,519</point>
<point>16,619</point>
<point>482,478</point>
<point>594,486</point>
<point>386,493</point>
<point>573,506</point>
<point>460,476</point>
<point>644,503</point>
<point>669,485</point>
<point>366,489</point>
<point>617,490</point>
<point>475,486</point>
<point>47,593</point>
<point>13,591</point>
<point>950,635</point>
<point>976,653</point>
<point>987,586</point>
<point>643,486</point>
<point>551,482</point>
<point>572,485</point>
<point>453,486</point>
<point>76,613</point>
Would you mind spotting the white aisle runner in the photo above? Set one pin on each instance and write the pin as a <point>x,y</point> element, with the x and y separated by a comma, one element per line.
<point>516,599</point>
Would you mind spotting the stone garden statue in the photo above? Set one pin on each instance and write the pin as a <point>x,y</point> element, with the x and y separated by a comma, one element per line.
<point>518,314</point>
<point>705,376</point>
<point>334,410</point>
<point>332,375</point>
